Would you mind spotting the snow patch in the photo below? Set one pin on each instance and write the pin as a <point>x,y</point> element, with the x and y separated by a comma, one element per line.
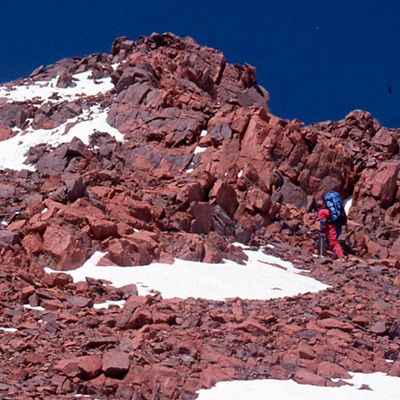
<point>11,330</point>
<point>383,388</point>
<point>347,204</point>
<point>38,308</point>
<point>45,90</point>
<point>13,151</point>
<point>199,149</point>
<point>119,303</point>
<point>263,277</point>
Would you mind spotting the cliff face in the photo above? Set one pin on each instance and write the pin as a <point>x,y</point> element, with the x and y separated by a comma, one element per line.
<point>162,149</point>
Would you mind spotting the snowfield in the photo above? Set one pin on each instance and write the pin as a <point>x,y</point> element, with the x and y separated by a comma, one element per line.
<point>263,277</point>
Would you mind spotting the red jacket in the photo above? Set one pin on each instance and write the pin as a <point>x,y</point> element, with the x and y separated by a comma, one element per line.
<point>323,216</point>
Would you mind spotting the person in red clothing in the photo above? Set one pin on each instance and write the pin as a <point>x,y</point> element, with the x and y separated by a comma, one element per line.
<point>331,230</point>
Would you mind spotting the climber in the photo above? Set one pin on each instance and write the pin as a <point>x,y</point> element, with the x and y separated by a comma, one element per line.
<point>331,229</point>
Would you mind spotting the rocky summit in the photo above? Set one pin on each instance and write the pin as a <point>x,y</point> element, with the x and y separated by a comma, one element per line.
<point>161,149</point>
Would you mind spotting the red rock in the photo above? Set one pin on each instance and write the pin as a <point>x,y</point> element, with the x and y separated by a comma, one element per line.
<point>80,302</point>
<point>102,229</point>
<point>332,323</point>
<point>254,327</point>
<point>139,318</point>
<point>5,132</point>
<point>52,304</point>
<point>212,254</point>
<point>18,374</point>
<point>129,290</point>
<point>213,374</point>
<point>308,378</point>
<point>188,247</point>
<point>115,363</point>
<point>121,253</point>
<point>291,329</point>
<point>257,200</point>
<point>57,279</point>
<point>338,333</point>
<point>4,387</point>
<point>26,292</point>
<point>165,380</point>
<point>33,243</point>
<point>85,367</point>
<point>64,246</point>
<point>318,176</point>
<point>35,205</point>
<point>306,351</point>
<point>277,372</point>
<point>384,184</point>
<point>35,358</point>
<point>8,238</point>
<point>290,361</point>
<point>139,248</point>
<point>395,369</point>
<point>130,306</point>
<point>203,213</point>
<point>16,225</point>
<point>255,181</point>
<point>384,139</point>
<point>28,326</point>
<point>225,196</point>
<point>379,327</point>
<point>127,392</point>
<point>375,249</point>
<point>159,317</point>
<point>330,370</point>
<point>360,320</point>
<point>7,191</point>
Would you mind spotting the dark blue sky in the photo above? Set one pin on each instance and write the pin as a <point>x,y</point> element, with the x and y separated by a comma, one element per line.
<point>319,59</point>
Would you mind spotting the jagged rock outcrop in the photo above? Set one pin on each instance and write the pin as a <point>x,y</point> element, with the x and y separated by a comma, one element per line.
<point>197,127</point>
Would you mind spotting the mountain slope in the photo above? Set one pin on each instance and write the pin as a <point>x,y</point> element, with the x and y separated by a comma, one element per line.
<point>161,149</point>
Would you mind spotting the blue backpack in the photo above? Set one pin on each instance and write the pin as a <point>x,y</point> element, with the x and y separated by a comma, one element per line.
<point>335,207</point>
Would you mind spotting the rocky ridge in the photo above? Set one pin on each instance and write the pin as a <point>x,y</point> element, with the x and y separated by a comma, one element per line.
<point>203,164</point>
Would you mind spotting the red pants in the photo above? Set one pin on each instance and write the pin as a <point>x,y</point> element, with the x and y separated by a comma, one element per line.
<point>332,238</point>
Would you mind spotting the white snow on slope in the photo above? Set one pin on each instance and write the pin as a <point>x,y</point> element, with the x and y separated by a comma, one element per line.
<point>10,330</point>
<point>43,90</point>
<point>12,151</point>
<point>347,204</point>
<point>263,277</point>
<point>383,388</point>
<point>199,149</point>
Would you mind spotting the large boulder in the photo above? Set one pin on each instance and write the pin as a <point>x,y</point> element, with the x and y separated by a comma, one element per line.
<point>62,248</point>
